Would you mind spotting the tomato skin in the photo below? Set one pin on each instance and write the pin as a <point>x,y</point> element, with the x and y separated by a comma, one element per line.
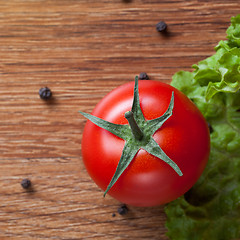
<point>148,181</point>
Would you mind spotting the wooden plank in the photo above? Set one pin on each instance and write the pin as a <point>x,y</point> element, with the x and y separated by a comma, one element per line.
<point>82,50</point>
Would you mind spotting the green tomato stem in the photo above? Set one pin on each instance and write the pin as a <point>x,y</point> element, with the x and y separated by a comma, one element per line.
<point>136,131</point>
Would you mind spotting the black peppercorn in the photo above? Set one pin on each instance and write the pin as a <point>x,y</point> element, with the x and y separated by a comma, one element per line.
<point>45,93</point>
<point>26,183</point>
<point>210,128</point>
<point>161,26</point>
<point>122,210</point>
<point>143,76</point>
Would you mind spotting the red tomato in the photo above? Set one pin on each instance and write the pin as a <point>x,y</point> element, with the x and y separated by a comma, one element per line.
<point>148,181</point>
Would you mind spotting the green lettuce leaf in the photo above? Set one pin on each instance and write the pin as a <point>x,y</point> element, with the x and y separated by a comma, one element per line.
<point>233,33</point>
<point>211,209</point>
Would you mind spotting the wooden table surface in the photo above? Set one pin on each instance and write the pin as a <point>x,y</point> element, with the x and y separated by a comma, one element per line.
<point>82,49</point>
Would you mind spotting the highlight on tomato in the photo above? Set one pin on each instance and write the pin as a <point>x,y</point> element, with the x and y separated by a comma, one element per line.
<point>145,143</point>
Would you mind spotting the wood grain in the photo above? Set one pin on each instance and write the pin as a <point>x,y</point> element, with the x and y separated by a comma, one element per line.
<point>81,50</point>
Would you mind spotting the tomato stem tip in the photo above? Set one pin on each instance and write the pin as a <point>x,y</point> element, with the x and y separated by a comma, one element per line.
<point>136,131</point>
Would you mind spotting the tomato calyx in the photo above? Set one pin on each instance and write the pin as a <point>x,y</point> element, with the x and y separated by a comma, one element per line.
<point>137,135</point>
